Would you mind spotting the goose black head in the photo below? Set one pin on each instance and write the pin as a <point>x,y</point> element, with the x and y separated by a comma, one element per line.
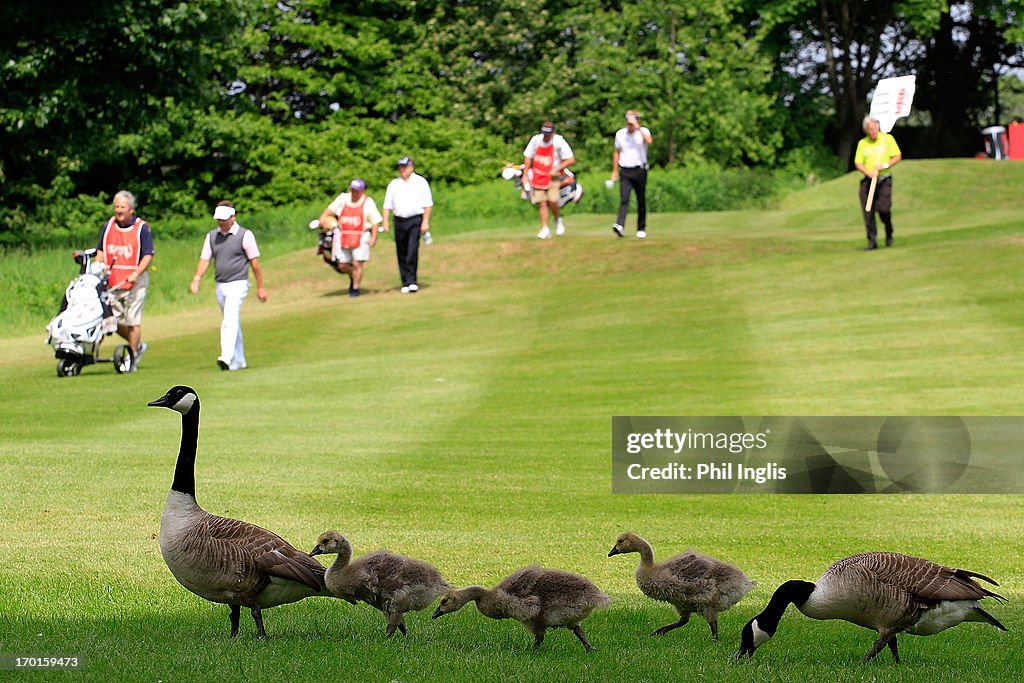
<point>179,398</point>
<point>752,638</point>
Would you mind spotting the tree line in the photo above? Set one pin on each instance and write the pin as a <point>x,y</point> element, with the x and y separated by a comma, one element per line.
<point>273,103</point>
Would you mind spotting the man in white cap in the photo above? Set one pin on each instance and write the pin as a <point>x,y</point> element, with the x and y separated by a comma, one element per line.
<point>234,249</point>
<point>355,219</point>
<point>408,197</point>
<point>544,159</point>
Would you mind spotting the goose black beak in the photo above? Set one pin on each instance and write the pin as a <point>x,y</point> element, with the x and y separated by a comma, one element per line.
<point>613,551</point>
<point>316,551</point>
<point>745,651</point>
<point>437,613</point>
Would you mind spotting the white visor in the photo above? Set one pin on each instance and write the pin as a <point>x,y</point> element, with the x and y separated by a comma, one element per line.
<point>222,213</point>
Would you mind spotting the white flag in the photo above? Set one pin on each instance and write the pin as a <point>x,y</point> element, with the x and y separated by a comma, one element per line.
<point>892,100</point>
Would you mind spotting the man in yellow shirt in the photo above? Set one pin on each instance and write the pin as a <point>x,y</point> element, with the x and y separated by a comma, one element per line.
<point>876,154</point>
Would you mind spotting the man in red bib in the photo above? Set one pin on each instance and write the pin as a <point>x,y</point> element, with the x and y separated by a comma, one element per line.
<point>544,159</point>
<point>356,217</point>
<point>126,248</point>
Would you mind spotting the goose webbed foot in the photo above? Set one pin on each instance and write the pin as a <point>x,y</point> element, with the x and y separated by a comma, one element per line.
<point>893,649</point>
<point>880,644</point>
<point>235,617</point>
<point>578,630</point>
<point>713,623</point>
<point>671,627</point>
<point>538,637</point>
<point>396,626</point>
<point>257,616</point>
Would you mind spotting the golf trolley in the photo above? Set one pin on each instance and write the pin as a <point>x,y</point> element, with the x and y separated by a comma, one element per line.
<point>84,320</point>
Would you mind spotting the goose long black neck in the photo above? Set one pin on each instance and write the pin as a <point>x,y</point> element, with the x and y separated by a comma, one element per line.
<point>185,469</point>
<point>795,592</point>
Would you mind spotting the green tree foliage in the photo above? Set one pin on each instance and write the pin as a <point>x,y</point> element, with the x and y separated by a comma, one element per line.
<point>842,48</point>
<point>273,103</point>
<point>82,82</point>
<point>689,67</point>
<point>965,59</point>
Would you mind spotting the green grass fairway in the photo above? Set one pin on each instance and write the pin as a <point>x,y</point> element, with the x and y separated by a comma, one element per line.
<point>470,425</point>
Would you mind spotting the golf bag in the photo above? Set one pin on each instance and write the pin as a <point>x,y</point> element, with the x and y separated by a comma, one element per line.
<point>84,320</point>
<point>325,244</point>
<point>568,191</point>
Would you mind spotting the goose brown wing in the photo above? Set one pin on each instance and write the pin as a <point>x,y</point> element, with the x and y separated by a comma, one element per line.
<point>923,579</point>
<point>271,553</point>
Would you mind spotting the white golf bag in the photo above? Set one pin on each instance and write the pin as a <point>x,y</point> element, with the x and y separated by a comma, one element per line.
<point>84,320</point>
<point>568,191</point>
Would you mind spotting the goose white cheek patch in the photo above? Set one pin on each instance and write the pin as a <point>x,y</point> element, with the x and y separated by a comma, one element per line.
<point>760,637</point>
<point>185,403</point>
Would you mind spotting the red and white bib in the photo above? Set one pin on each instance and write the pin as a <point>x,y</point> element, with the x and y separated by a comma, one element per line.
<point>122,247</point>
<point>543,162</point>
<point>351,225</point>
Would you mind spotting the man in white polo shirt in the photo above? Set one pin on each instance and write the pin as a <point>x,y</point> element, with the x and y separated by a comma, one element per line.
<point>408,197</point>
<point>630,160</point>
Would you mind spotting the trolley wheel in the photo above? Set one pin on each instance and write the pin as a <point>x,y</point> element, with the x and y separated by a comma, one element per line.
<point>68,367</point>
<point>124,359</point>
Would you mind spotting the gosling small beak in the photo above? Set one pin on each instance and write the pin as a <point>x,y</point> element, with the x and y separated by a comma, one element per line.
<point>316,551</point>
<point>613,551</point>
<point>437,613</point>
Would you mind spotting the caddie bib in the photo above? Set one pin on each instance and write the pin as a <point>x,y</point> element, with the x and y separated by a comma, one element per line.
<point>543,162</point>
<point>350,223</point>
<point>121,246</point>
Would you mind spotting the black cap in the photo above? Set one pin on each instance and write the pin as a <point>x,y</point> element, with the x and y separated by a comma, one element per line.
<point>404,161</point>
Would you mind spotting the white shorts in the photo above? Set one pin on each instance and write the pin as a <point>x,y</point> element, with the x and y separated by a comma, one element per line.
<point>360,253</point>
<point>126,304</point>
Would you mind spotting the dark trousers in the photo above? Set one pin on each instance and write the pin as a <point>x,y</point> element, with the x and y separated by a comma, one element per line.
<point>407,246</point>
<point>633,179</point>
<point>882,203</point>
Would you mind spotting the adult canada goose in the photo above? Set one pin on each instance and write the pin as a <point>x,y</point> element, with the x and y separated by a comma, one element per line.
<point>226,560</point>
<point>690,582</point>
<point>538,598</point>
<point>886,592</point>
<point>392,583</point>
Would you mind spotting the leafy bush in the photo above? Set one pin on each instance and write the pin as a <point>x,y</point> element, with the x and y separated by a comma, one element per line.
<point>703,187</point>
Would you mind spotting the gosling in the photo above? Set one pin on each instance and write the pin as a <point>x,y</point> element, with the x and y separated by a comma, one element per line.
<point>690,582</point>
<point>392,583</point>
<point>536,597</point>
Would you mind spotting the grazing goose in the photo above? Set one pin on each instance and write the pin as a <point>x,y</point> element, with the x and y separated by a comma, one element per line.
<point>392,583</point>
<point>690,582</point>
<point>886,592</point>
<point>220,559</point>
<point>538,598</point>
